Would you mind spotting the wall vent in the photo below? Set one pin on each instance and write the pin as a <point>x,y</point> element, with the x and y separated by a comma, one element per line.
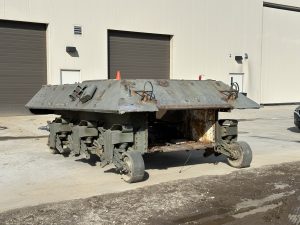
<point>77,30</point>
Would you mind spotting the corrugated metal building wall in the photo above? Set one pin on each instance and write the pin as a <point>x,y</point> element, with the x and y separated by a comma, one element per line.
<point>23,64</point>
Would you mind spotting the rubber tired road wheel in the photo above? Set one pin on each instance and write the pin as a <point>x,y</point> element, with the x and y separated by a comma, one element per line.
<point>134,167</point>
<point>244,154</point>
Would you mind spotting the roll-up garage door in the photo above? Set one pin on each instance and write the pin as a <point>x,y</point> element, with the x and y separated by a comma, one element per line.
<point>280,55</point>
<point>138,55</point>
<point>23,66</point>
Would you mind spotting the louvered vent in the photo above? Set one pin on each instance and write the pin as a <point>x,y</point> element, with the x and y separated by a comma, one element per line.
<point>77,30</point>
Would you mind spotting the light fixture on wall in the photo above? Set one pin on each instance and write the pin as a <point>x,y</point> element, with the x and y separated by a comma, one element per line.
<point>72,51</point>
<point>239,59</point>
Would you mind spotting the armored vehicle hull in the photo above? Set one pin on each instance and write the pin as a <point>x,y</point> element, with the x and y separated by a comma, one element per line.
<point>119,121</point>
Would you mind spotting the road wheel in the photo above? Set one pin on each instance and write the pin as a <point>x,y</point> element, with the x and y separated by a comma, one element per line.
<point>243,155</point>
<point>134,167</point>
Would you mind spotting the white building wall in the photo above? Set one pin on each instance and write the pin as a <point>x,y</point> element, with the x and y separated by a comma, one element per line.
<point>205,33</point>
<point>280,56</point>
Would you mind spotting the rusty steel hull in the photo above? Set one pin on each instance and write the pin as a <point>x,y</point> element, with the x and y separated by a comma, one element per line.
<point>119,121</point>
<point>114,96</point>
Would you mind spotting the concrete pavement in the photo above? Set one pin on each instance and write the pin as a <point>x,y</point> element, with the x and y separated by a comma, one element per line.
<point>30,175</point>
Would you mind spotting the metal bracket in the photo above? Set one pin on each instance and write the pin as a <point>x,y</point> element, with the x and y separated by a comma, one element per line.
<point>227,150</point>
<point>113,137</point>
<point>146,95</point>
<point>233,92</point>
<point>59,125</point>
<point>78,132</point>
<point>226,131</point>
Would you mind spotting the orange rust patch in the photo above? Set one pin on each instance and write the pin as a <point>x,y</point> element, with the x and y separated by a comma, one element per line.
<point>201,125</point>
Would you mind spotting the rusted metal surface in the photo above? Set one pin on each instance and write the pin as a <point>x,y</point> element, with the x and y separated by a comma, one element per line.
<point>184,146</point>
<point>201,125</point>
<point>114,96</point>
<point>118,121</point>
